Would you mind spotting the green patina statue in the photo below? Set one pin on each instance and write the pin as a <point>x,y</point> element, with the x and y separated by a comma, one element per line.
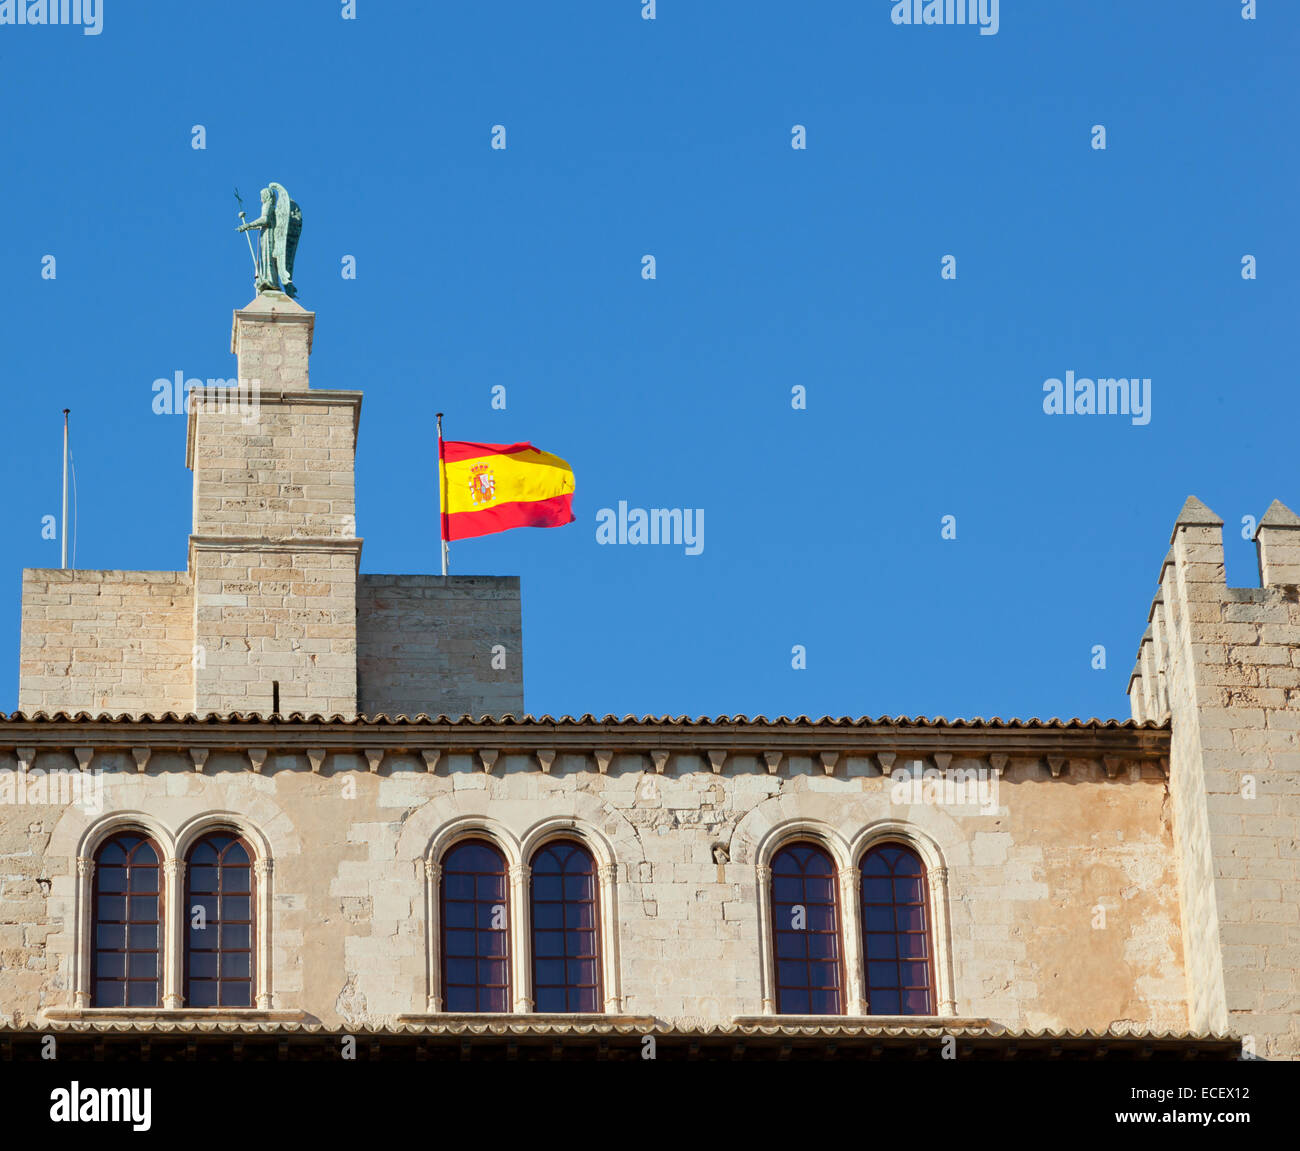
<point>280,225</point>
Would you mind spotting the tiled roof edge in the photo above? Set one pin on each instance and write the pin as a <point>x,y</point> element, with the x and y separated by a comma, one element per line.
<point>298,719</point>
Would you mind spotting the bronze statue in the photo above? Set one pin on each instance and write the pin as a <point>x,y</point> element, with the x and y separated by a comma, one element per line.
<point>280,224</point>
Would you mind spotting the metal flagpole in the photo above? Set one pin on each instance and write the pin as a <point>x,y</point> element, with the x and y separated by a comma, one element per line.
<point>442,497</point>
<point>63,531</point>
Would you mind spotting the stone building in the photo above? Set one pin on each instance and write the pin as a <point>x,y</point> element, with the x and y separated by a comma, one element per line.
<point>271,802</point>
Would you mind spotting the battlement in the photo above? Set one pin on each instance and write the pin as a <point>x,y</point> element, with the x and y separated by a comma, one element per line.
<point>1193,589</point>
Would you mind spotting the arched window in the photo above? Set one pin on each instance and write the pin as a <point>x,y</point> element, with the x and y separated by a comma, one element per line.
<point>475,928</point>
<point>126,959</point>
<point>566,929</point>
<point>806,930</point>
<point>219,923</point>
<point>896,945</point>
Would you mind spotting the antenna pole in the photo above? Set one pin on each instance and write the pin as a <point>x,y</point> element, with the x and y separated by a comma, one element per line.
<point>63,531</point>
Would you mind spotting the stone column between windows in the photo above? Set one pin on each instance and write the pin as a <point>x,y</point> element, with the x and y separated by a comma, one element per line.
<point>767,961</point>
<point>432,903</point>
<point>85,917</point>
<point>608,909</point>
<point>941,941</point>
<point>262,929</point>
<point>171,936</point>
<point>521,969</point>
<point>851,931</point>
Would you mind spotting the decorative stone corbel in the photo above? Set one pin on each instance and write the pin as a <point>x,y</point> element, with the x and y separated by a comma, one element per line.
<point>886,761</point>
<point>26,757</point>
<point>829,760</point>
<point>141,755</point>
<point>257,757</point>
<point>717,759</point>
<point>375,758</point>
<point>942,759</point>
<point>199,758</point>
<point>998,762</point>
<point>487,757</point>
<point>316,757</point>
<point>1055,764</point>
<point>430,757</point>
<point>603,760</point>
<point>545,759</point>
<point>1113,765</point>
<point>84,756</point>
<point>660,760</point>
<point>773,760</point>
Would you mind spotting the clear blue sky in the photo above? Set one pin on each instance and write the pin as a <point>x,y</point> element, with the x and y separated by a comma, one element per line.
<point>775,267</point>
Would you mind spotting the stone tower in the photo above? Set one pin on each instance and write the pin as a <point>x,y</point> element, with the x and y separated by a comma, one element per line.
<point>272,598</point>
<point>1224,664</point>
<point>274,534</point>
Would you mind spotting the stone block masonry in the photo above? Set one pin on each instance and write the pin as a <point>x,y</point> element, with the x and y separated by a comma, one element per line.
<point>111,641</point>
<point>353,838</point>
<point>271,593</point>
<point>435,645</point>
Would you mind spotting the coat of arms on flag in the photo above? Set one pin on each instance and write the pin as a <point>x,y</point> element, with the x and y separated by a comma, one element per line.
<point>482,484</point>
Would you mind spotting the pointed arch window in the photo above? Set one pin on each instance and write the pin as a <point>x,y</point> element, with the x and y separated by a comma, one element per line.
<point>475,928</point>
<point>566,929</point>
<point>126,944</point>
<point>898,953</point>
<point>219,922</point>
<point>806,932</point>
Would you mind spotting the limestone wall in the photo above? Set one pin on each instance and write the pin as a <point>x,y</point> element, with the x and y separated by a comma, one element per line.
<point>428,644</point>
<point>280,468</point>
<point>106,641</point>
<point>1059,903</point>
<point>264,615</point>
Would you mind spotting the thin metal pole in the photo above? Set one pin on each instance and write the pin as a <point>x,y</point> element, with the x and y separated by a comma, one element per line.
<point>442,496</point>
<point>63,531</point>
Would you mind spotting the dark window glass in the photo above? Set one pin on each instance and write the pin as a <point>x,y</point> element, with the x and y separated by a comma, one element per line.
<point>806,931</point>
<point>475,928</point>
<point>896,932</point>
<point>566,929</point>
<point>219,923</point>
<point>126,962</point>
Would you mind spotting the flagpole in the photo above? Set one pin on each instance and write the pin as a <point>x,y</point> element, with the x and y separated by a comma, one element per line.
<point>442,497</point>
<point>63,528</point>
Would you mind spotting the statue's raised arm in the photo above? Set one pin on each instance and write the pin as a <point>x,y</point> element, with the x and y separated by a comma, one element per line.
<point>280,225</point>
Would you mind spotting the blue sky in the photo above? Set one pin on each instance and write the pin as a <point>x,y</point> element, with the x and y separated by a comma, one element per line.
<point>776,267</point>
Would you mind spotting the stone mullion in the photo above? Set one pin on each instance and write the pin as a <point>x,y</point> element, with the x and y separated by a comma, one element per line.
<point>173,933</point>
<point>521,968</point>
<point>851,934</point>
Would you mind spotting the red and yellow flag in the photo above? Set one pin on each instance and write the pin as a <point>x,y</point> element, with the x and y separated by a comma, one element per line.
<point>494,487</point>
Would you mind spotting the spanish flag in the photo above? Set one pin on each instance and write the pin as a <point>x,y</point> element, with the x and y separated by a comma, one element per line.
<point>490,488</point>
